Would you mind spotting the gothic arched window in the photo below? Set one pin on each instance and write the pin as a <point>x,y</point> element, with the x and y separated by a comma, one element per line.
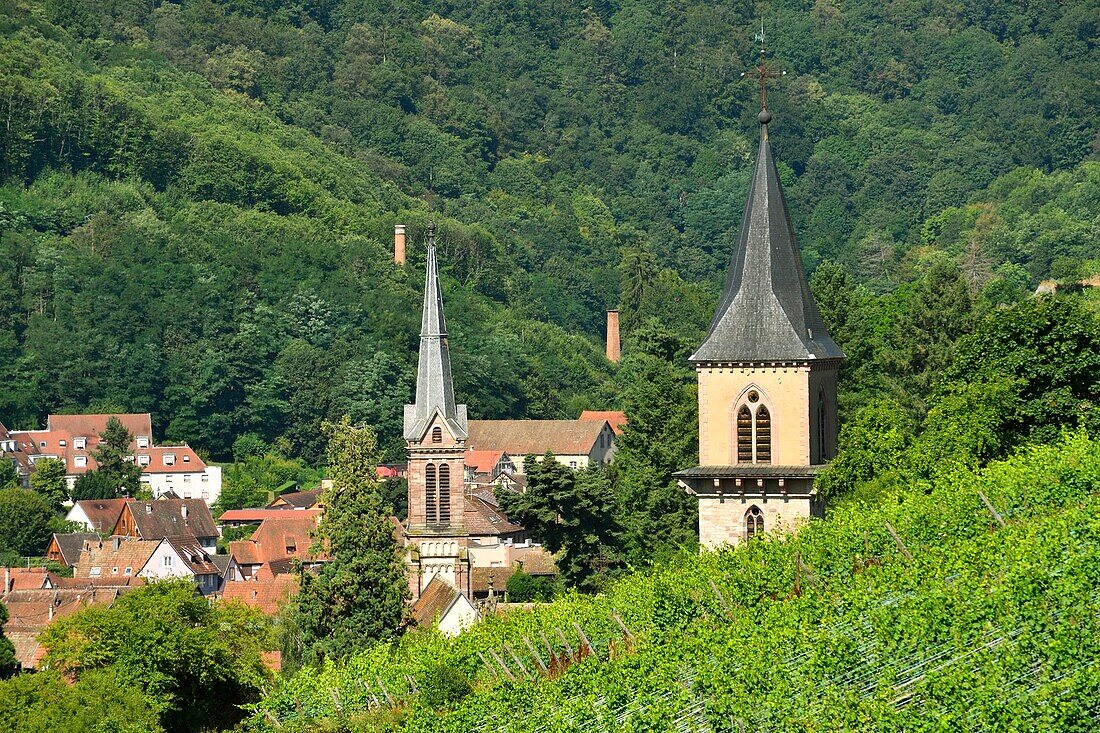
<point>763,435</point>
<point>437,435</point>
<point>754,522</point>
<point>431,505</point>
<point>444,493</point>
<point>744,435</point>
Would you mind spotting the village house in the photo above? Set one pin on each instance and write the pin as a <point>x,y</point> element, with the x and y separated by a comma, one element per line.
<point>615,418</point>
<point>73,440</point>
<point>277,543</point>
<point>115,557</point>
<point>442,604</point>
<point>156,520</point>
<point>65,549</point>
<point>574,443</point>
<point>96,515</point>
<point>119,558</point>
<point>297,500</point>
<point>268,595</point>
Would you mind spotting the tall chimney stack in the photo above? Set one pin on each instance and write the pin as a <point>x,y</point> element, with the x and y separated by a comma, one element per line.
<point>614,349</point>
<point>399,244</point>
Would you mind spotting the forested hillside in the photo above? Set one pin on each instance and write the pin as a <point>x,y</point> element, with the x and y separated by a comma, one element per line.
<point>198,197</point>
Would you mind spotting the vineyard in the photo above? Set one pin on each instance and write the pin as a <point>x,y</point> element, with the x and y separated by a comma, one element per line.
<point>966,604</point>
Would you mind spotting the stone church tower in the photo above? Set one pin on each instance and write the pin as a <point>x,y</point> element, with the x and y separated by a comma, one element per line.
<point>436,431</point>
<point>767,375</point>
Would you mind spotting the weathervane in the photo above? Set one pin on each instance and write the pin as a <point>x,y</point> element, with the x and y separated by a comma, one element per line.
<point>763,72</point>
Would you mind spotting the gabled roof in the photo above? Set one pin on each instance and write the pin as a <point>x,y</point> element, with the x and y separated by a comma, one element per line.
<point>155,520</point>
<point>537,561</point>
<point>103,554</point>
<point>70,545</point>
<point>435,393</point>
<point>520,437</point>
<point>297,499</point>
<point>266,595</point>
<point>766,312</point>
<point>482,516</point>
<point>90,426</point>
<point>259,515</point>
<point>483,461</point>
<point>193,555</point>
<point>31,611</point>
<point>282,536</point>
<point>615,418</point>
<point>101,513</point>
<point>170,459</point>
<point>24,579</point>
<point>434,601</point>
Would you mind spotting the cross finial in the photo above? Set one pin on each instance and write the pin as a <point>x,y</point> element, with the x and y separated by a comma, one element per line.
<point>762,73</point>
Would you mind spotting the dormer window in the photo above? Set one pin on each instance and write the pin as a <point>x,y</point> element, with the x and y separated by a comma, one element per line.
<point>143,441</point>
<point>169,459</point>
<point>437,435</point>
<point>62,443</point>
<point>80,443</point>
<point>80,461</point>
<point>186,459</point>
<point>143,460</point>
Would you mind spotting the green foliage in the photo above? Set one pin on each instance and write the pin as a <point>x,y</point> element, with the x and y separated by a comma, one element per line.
<point>117,473</point>
<point>7,649</point>
<point>101,701</point>
<point>255,479</point>
<point>9,476</point>
<point>48,479</point>
<point>525,588</point>
<point>357,598</point>
<point>567,511</point>
<point>26,521</point>
<point>443,685</point>
<point>981,627</point>
<point>194,661</point>
<point>872,443</point>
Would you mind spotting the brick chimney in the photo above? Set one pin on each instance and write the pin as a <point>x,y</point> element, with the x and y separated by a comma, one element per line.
<point>399,244</point>
<point>614,349</point>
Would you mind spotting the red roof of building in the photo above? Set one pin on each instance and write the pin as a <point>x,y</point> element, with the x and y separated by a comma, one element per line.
<point>23,579</point>
<point>285,534</point>
<point>434,601</point>
<point>615,418</point>
<point>266,595</point>
<point>520,437</point>
<point>31,611</point>
<point>483,461</point>
<point>296,500</point>
<point>170,459</point>
<point>259,515</point>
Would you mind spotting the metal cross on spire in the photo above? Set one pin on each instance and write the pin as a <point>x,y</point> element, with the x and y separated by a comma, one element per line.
<point>762,73</point>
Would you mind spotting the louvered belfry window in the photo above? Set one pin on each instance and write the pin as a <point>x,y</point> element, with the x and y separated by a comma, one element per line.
<point>445,493</point>
<point>431,505</point>
<point>437,435</point>
<point>744,435</point>
<point>754,431</point>
<point>763,435</point>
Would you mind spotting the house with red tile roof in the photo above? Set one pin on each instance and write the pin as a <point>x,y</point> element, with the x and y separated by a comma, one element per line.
<point>267,595</point>
<point>254,517</point>
<point>96,515</point>
<point>73,439</point>
<point>484,466</point>
<point>30,611</point>
<point>155,520</point>
<point>574,443</point>
<point>297,500</point>
<point>615,418</point>
<point>284,537</point>
<point>65,548</point>
<point>442,604</point>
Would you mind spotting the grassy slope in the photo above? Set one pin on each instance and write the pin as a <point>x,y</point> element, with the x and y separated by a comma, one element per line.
<point>987,629</point>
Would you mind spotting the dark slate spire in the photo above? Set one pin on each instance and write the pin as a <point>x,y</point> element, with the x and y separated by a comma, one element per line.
<point>766,312</point>
<point>434,388</point>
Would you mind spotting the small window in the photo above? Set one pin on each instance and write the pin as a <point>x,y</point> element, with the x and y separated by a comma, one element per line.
<point>186,478</point>
<point>62,443</point>
<point>128,571</point>
<point>169,459</point>
<point>42,444</point>
<point>143,460</point>
<point>114,570</point>
<point>143,441</point>
<point>754,522</point>
<point>437,435</point>
<point>168,479</point>
<point>94,572</point>
<point>186,459</point>
<point>206,477</point>
<point>80,443</point>
<point>80,461</point>
<point>572,464</point>
<point>206,495</point>
<point>167,561</point>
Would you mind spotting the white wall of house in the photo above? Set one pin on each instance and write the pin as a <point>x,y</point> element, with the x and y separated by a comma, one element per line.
<point>459,617</point>
<point>205,485</point>
<point>166,563</point>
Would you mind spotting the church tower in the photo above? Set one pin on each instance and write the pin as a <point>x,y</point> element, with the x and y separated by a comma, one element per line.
<point>767,373</point>
<point>435,430</point>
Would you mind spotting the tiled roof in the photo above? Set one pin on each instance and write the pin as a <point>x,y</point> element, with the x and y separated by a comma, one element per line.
<point>105,581</point>
<point>259,515</point>
<point>482,516</point>
<point>479,580</point>
<point>57,439</point>
<point>170,459</point>
<point>102,513</point>
<point>90,426</point>
<point>520,437</point>
<point>434,601</point>
<point>155,520</point>
<point>130,553</point>
<point>284,534</point>
<point>483,461</point>
<point>537,561</point>
<point>297,499</point>
<point>615,418</point>
<point>266,595</point>
<point>193,556</point>
<point>70,545</point>
<point>30,612</point>
<point>24,579</point>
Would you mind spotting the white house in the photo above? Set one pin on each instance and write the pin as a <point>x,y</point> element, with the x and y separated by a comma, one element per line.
<point>180,557</point>
<point>441,603</point>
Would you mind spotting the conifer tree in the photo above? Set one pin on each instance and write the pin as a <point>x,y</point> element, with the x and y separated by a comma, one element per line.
<point>118,472</point>
<point>358,598</point>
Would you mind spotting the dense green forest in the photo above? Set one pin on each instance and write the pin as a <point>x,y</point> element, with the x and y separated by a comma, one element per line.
<point>198,197</point>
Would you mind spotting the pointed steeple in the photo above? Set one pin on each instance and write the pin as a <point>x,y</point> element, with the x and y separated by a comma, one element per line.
<point>766,312</point>
<point>434,387</point>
